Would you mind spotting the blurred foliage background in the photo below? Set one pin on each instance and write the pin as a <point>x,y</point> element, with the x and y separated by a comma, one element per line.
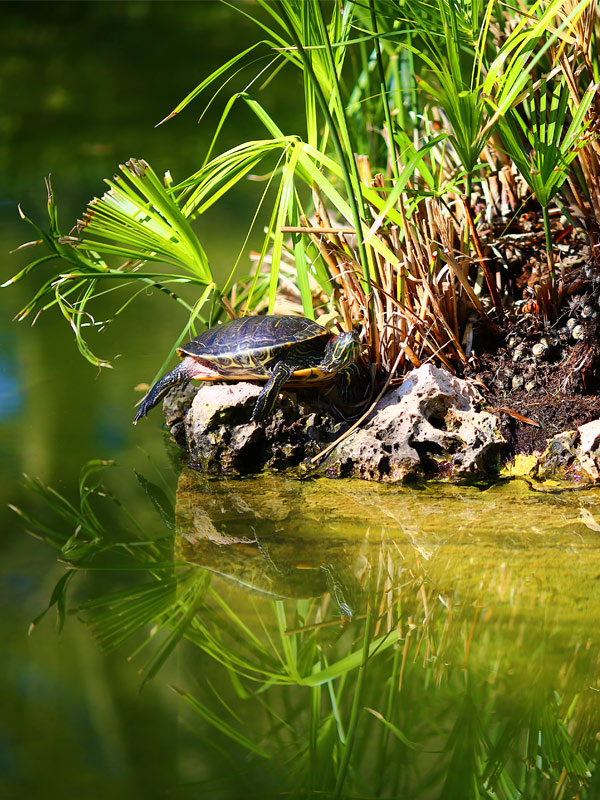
<point>82,86</point>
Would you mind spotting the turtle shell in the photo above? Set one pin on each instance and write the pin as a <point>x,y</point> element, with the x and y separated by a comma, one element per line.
<point>248,345</point>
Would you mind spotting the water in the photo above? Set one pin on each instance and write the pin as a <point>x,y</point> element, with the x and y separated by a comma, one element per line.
<point>290,637</point>
<point>445,638</point>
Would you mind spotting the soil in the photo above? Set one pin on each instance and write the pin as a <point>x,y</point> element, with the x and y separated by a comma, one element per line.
<point>545,365</point>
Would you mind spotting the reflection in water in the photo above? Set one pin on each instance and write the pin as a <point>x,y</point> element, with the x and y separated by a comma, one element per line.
<point>469,668</point>
<point>258,540</point>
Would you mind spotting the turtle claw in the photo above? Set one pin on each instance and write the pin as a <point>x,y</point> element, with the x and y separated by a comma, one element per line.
<point>146,405</point>
<point>142,412</point>
<point>180,374</point>
<point>267,398</point>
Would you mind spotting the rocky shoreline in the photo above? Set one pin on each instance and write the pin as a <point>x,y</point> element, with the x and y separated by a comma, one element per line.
<point>432,426</point>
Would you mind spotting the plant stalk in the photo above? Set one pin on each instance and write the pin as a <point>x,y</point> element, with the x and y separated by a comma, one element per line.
<point>549,251</point>
<point>383,90</point>
<point>349,170</point>
<point>489,278</point>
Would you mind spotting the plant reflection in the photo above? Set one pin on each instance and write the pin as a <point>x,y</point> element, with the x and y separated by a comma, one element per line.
<point>342,664</point>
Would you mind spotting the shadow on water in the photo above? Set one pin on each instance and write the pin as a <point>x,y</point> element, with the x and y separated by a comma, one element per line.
<point>341,639</point>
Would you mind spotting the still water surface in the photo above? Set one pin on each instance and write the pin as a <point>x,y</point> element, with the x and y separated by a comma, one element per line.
<point>314,638</point>
<point>262,637</point>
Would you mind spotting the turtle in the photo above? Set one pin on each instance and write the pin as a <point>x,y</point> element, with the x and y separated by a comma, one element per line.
<point>275,348</point>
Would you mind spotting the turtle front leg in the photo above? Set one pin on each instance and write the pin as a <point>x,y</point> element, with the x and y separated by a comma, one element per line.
<point>183,373</point>
<point>266,399</point>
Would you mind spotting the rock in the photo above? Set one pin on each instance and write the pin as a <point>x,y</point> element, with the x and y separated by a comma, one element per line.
<point>219,437</point>
<point>430,425</point>
<point>176,405</point>
<point>572,456</point>
<point>589,448</point>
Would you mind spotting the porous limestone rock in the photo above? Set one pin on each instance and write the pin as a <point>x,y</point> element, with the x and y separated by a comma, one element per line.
<point>213,424</point>
<point>430,425</point>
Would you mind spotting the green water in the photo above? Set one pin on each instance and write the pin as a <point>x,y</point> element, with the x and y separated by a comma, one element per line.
<point>290,637</point>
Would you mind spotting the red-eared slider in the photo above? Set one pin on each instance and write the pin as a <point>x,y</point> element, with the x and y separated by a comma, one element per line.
<point>272,348</point>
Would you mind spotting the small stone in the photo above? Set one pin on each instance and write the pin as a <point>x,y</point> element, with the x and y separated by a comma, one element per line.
<point>530,385</point>
<point>578,332</point>
<point>587,311</point>
<point>517,383</point>
<point>571,323</point>
<point>558,455</point>
<point>573,455</point>
<point>519,353</point>
<point>540,349</point>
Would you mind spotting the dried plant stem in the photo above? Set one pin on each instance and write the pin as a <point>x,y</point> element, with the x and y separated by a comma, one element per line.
<point>489,278</point>
<point>315,229</point>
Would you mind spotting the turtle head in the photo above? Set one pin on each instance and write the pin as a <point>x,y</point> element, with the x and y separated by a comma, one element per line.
<point>341,352</point>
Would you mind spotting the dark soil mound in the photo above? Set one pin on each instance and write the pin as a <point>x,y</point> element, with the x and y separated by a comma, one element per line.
<point>546,372</point>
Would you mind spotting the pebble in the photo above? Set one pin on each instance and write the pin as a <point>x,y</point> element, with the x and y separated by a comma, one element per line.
<point>571,323</point>
<point>517,382</point>
<point>519,353</point>
<point>540,349</point>
<point>578,332</point>
<point>530,385</point>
